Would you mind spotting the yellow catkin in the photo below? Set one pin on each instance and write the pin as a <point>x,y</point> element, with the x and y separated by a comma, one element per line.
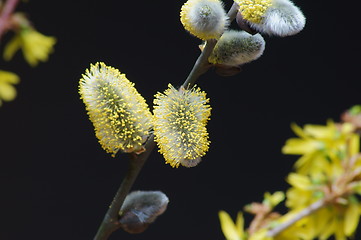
<point>180,119</point>
<point>253,10</point>
<point>120,115</point>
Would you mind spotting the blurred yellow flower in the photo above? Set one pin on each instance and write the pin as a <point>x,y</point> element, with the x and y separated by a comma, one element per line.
<point>322,199</point>
<point>7,90</point>
<point>296,231</point>
<point>355,110</point>
<point>302,193</point>
<point>272,200</point>
<point>319,145</point>
<point>339,218</point>
<point>261,235</point>
<point>36,47</point>
<point>231,230</point>
<point>351,216</point>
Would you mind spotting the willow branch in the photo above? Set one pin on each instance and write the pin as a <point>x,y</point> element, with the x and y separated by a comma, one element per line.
<point>232,13</point>
<point>6,11</point>
<point>202,65</point>
<point>110,222</point>
<point>303,213</point>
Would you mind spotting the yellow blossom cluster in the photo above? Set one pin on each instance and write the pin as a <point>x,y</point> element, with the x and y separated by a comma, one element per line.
<point>323,199</point>
<point>35,46</point>
<point>236,230</point>
<point>328,170</point>
<point>7,90</point>
<point>319,146</point>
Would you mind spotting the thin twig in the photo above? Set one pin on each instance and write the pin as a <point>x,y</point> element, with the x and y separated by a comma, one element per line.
<point>232,13</point>
<point>202,65</point>
<point>110,222</point>
<point>5,14</point>
<point>303,213</point>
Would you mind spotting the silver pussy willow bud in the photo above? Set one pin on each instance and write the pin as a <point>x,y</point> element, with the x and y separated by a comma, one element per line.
<point>235,48</point>
<point>205,19</point>
<point>140,208</point>
<point>272,17</point>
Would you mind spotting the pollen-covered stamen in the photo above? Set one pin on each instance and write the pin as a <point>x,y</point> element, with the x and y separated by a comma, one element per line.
<point>120,116</point>
<point>180,125</point>
<point>253,10</point>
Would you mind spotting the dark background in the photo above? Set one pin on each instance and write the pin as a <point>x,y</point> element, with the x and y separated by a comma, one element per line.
<point>55,180</point>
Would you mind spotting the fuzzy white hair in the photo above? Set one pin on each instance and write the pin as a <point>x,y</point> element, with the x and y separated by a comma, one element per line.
<point>235,48</point>
<point>209,16</point>
<point>282,19</point>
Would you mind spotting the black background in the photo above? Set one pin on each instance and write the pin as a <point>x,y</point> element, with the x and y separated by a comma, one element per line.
<point>56,182</point>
